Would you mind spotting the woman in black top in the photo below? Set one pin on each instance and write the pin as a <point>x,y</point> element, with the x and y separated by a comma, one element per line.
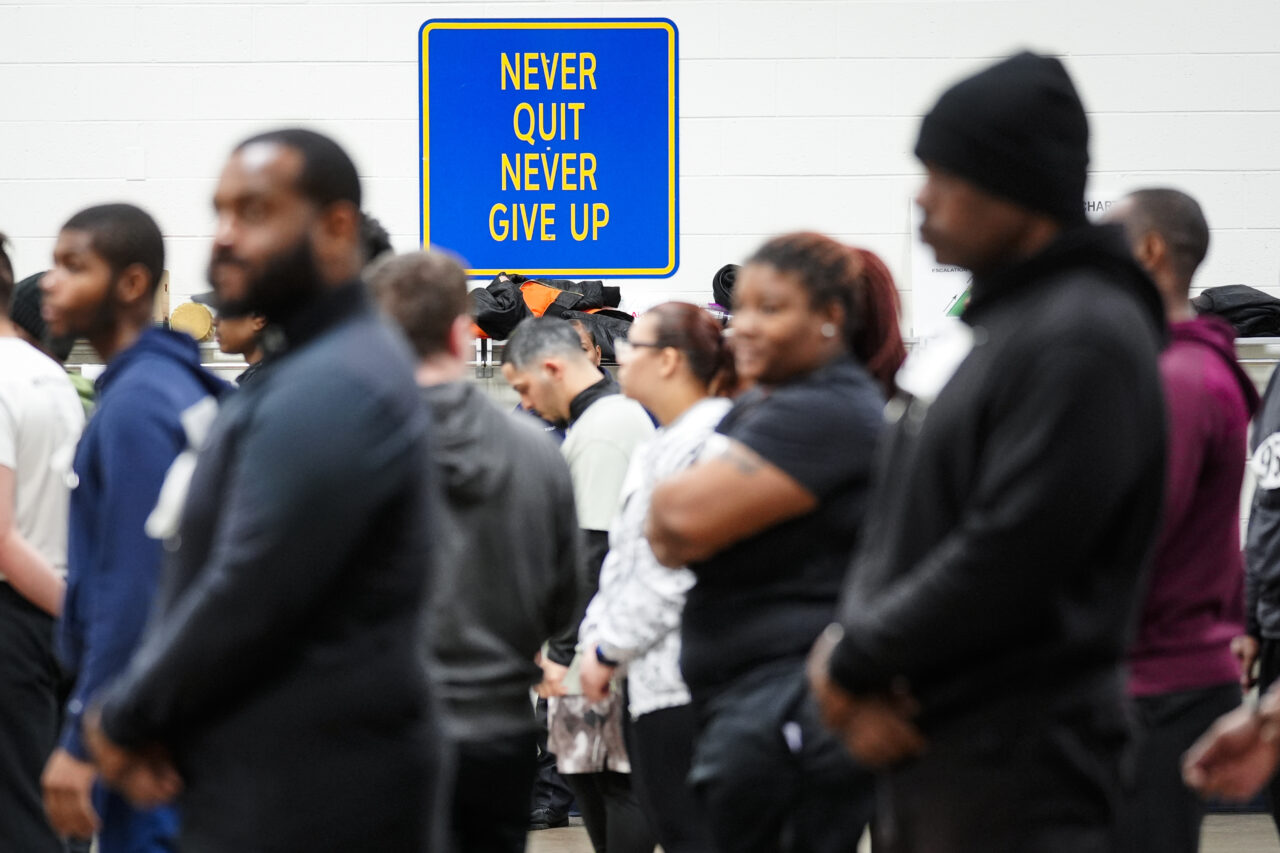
<point>767,521</point>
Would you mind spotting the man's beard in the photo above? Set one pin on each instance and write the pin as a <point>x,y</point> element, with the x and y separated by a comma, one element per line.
<point>288,281</point>
<point>101,320</point>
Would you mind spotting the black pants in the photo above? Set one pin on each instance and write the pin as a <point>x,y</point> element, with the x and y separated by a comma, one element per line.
<point>769,775</point>
<point>492,783</point>
<point>29,679</point>
<point>1021,784</point>
<point>1163,815</point>
<point>613,817</point>
<point>1268,673</point>
<point>661,750</point>
<point>550,791</point>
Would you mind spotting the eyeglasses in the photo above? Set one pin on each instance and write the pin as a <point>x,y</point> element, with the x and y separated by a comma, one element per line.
<point>624,348</point>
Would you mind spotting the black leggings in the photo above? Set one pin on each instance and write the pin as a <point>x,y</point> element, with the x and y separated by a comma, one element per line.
<point>613,817</point>
<point>661,749</point>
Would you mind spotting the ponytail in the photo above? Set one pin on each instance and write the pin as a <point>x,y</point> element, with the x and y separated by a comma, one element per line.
<point>879,344</point>
<point>696,334</point>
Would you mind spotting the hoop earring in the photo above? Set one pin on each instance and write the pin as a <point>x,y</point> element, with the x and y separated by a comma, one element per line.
<point>828,330</point>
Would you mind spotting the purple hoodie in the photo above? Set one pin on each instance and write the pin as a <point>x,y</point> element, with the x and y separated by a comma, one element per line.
<point>1194,601</point>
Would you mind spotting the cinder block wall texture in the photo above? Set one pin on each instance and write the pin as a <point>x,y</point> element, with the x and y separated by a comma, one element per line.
<point>793,114</point>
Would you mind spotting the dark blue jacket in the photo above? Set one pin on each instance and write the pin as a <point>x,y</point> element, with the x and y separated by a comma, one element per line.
<point>113,567</point>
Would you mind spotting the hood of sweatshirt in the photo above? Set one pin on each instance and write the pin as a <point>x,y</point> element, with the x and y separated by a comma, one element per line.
<point>176,347</point>
<point>466,441</point>
<point>1102,247</point>
<point>1219,336</point>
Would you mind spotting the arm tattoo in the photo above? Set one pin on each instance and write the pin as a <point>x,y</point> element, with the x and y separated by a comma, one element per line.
<point>744,460</point>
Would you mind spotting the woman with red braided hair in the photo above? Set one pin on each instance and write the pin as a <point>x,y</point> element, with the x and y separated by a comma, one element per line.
<point>767,520</point>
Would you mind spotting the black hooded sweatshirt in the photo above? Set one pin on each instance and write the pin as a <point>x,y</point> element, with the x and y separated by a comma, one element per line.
<point>1015,509</point>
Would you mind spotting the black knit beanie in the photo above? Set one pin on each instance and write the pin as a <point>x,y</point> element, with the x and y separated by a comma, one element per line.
<point>24,308</point>
<point>24,311</point>
<point>1017,130</point>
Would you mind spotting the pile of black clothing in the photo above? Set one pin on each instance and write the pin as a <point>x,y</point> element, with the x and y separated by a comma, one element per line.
<point>501,306</point>
<point>1251,312</point>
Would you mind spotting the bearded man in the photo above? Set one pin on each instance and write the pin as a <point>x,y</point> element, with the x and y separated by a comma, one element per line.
<point>279,694</point>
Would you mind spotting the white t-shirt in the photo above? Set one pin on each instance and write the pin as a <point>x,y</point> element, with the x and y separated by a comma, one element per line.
<point>40,422</point>
<point>598,448</point>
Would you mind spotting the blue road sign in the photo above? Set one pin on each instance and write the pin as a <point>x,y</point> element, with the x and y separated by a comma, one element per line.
<point>550,147</point>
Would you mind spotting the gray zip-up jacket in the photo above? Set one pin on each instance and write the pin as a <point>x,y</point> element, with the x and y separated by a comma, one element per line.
<point>1262,545</point>
<point>507,560</point>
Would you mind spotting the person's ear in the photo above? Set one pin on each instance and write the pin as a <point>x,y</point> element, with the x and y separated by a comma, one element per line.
<point>460,337</point>
<point>339,229</point>
<point>258,322</point>
<point>833,313</point>
<point>132,285</point>
<point>553,368</point>
<point>668,361</point>
<point>1151,251</point>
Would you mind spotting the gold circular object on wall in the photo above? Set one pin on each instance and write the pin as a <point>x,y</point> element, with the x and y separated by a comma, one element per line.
<point>194,319</point>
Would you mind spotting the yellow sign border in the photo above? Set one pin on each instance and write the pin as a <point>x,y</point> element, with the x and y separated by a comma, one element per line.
<point>672,119</point>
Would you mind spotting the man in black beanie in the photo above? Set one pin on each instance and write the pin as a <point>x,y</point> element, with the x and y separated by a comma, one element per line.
<point>978,657</point>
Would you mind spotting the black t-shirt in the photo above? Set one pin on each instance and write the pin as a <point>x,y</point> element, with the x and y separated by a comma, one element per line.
<point>767,598</point>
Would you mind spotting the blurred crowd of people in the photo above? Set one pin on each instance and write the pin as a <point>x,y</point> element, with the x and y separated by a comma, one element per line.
<point>770,585</point>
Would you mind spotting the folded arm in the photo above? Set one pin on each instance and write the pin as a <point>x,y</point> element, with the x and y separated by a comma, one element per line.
<point>731,495</point>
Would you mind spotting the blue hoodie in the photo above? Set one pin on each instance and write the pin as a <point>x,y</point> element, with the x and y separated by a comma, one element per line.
<point>113,567</point>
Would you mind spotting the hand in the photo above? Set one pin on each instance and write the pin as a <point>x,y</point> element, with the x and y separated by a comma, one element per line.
<point>594,675</point>
<point>552,679</point>
<point>150,780</point>
<point>67,783</point>
<point>834,703</point>
<point>1235,758</point>
<point>880,732</point>
<point>877,730</point>
<point>146,778</point>
<point>1245,648</point>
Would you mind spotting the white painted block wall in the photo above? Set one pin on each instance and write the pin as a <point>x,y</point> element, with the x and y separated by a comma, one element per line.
<point>793,114</point>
